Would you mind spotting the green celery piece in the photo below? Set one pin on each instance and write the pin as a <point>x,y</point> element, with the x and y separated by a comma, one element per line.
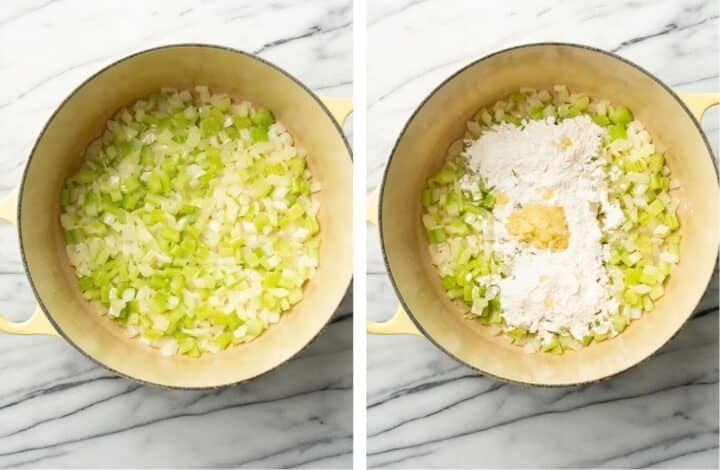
<point>180,120</point>
<point>617,131</point>
<point>73,236</point>
<point>436,235</point>
<point>223,104</point>
<point>263,117</point>
<point>467,293</point>
<point>631,298</point>
<point>210,125</point>
<point>489,201</point>
<point>255,326</point>
<point>85,283</point>
<point>581,104</point>
<point>448,283</point>
<point>601,120</point>
<point>232,133</point>
<point>126,147</point>
<point>517,333</point>
<point>85,175</point>
<point>146,157</point>
<point>130,202</point>
<point>621,115</point>
<point>258,134</point>
<point>551,345</point>
<point>536,113</point>
<point>656,162</point>
<point>296,165</point>
<point>159,301</point>
<point>601,337</point>
<point>170,234</point>
<point>312,224</point>
<point>619,323</point>
<point>565,341</point>
<point>242,122</point>
<point>445,176</point>
<point>163,123</point>
<point>130,184</point>
<point>223,340</point>
<point>512,119</point>
<point>656,207</point>
<point>457,227</point>
<point>65,197</point>
<point>295,211</point>
<point>154,183</point>
<point>426,197</point>
<point>671,220</point>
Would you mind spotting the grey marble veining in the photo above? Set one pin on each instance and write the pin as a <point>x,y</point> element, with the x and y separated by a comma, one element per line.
<point>57,408</point>
<point>425,409</point>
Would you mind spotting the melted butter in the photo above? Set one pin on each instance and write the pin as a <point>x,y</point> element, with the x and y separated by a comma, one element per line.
<point>540,226</point>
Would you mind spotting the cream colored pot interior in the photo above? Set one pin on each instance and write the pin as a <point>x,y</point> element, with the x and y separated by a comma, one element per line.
<point>81,118</point>
<point>440,120</point>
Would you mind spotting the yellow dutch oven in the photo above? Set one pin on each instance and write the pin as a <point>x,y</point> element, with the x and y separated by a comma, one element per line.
<point>671,118</point>
<point>34,207</point>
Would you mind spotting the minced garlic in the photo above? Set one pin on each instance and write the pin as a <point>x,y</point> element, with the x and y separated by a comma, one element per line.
<point>540,226</point>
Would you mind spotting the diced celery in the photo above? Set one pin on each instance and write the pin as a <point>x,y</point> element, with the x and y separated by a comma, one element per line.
<point>211,125</point>
<point>65,197</point>
<point>242,122</point>
<point>621,115</point>
<point>263,117</point>
<point>517,334</point>
<point>600,337</point>
<point>259,134</point>
<point>445,176</point>
<point>601,120</point>
<point>619,323</point>
<point>255,326</point>
<point>426,197</point>
<point>617,132</point>
<point>435,236</point>
<point>73,236</point>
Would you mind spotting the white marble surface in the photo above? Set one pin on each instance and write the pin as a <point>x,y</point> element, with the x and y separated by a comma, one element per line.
<point>58,409</point>
<point>426,410</point>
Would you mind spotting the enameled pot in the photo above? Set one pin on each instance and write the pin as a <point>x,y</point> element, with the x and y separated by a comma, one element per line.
<point>34,208</point>
<point>672,120</point>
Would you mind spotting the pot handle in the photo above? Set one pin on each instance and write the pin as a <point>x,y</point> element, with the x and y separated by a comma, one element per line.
<point>400,323</point>
<point>38,323</point>
<point>698,103</point>
<point>340,108</point>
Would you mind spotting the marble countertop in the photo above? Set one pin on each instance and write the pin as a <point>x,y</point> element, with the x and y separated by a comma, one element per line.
<point>425,409</point>
<point>58,409</point>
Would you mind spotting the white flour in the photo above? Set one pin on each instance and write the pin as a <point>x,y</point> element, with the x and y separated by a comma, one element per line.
<point>550,291</point>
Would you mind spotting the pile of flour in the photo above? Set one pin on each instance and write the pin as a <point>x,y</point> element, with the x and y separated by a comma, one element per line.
<point>553,164</point>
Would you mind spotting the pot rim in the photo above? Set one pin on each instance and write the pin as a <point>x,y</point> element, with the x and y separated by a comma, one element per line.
<point>75,90</point>
<point>383,182</point>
